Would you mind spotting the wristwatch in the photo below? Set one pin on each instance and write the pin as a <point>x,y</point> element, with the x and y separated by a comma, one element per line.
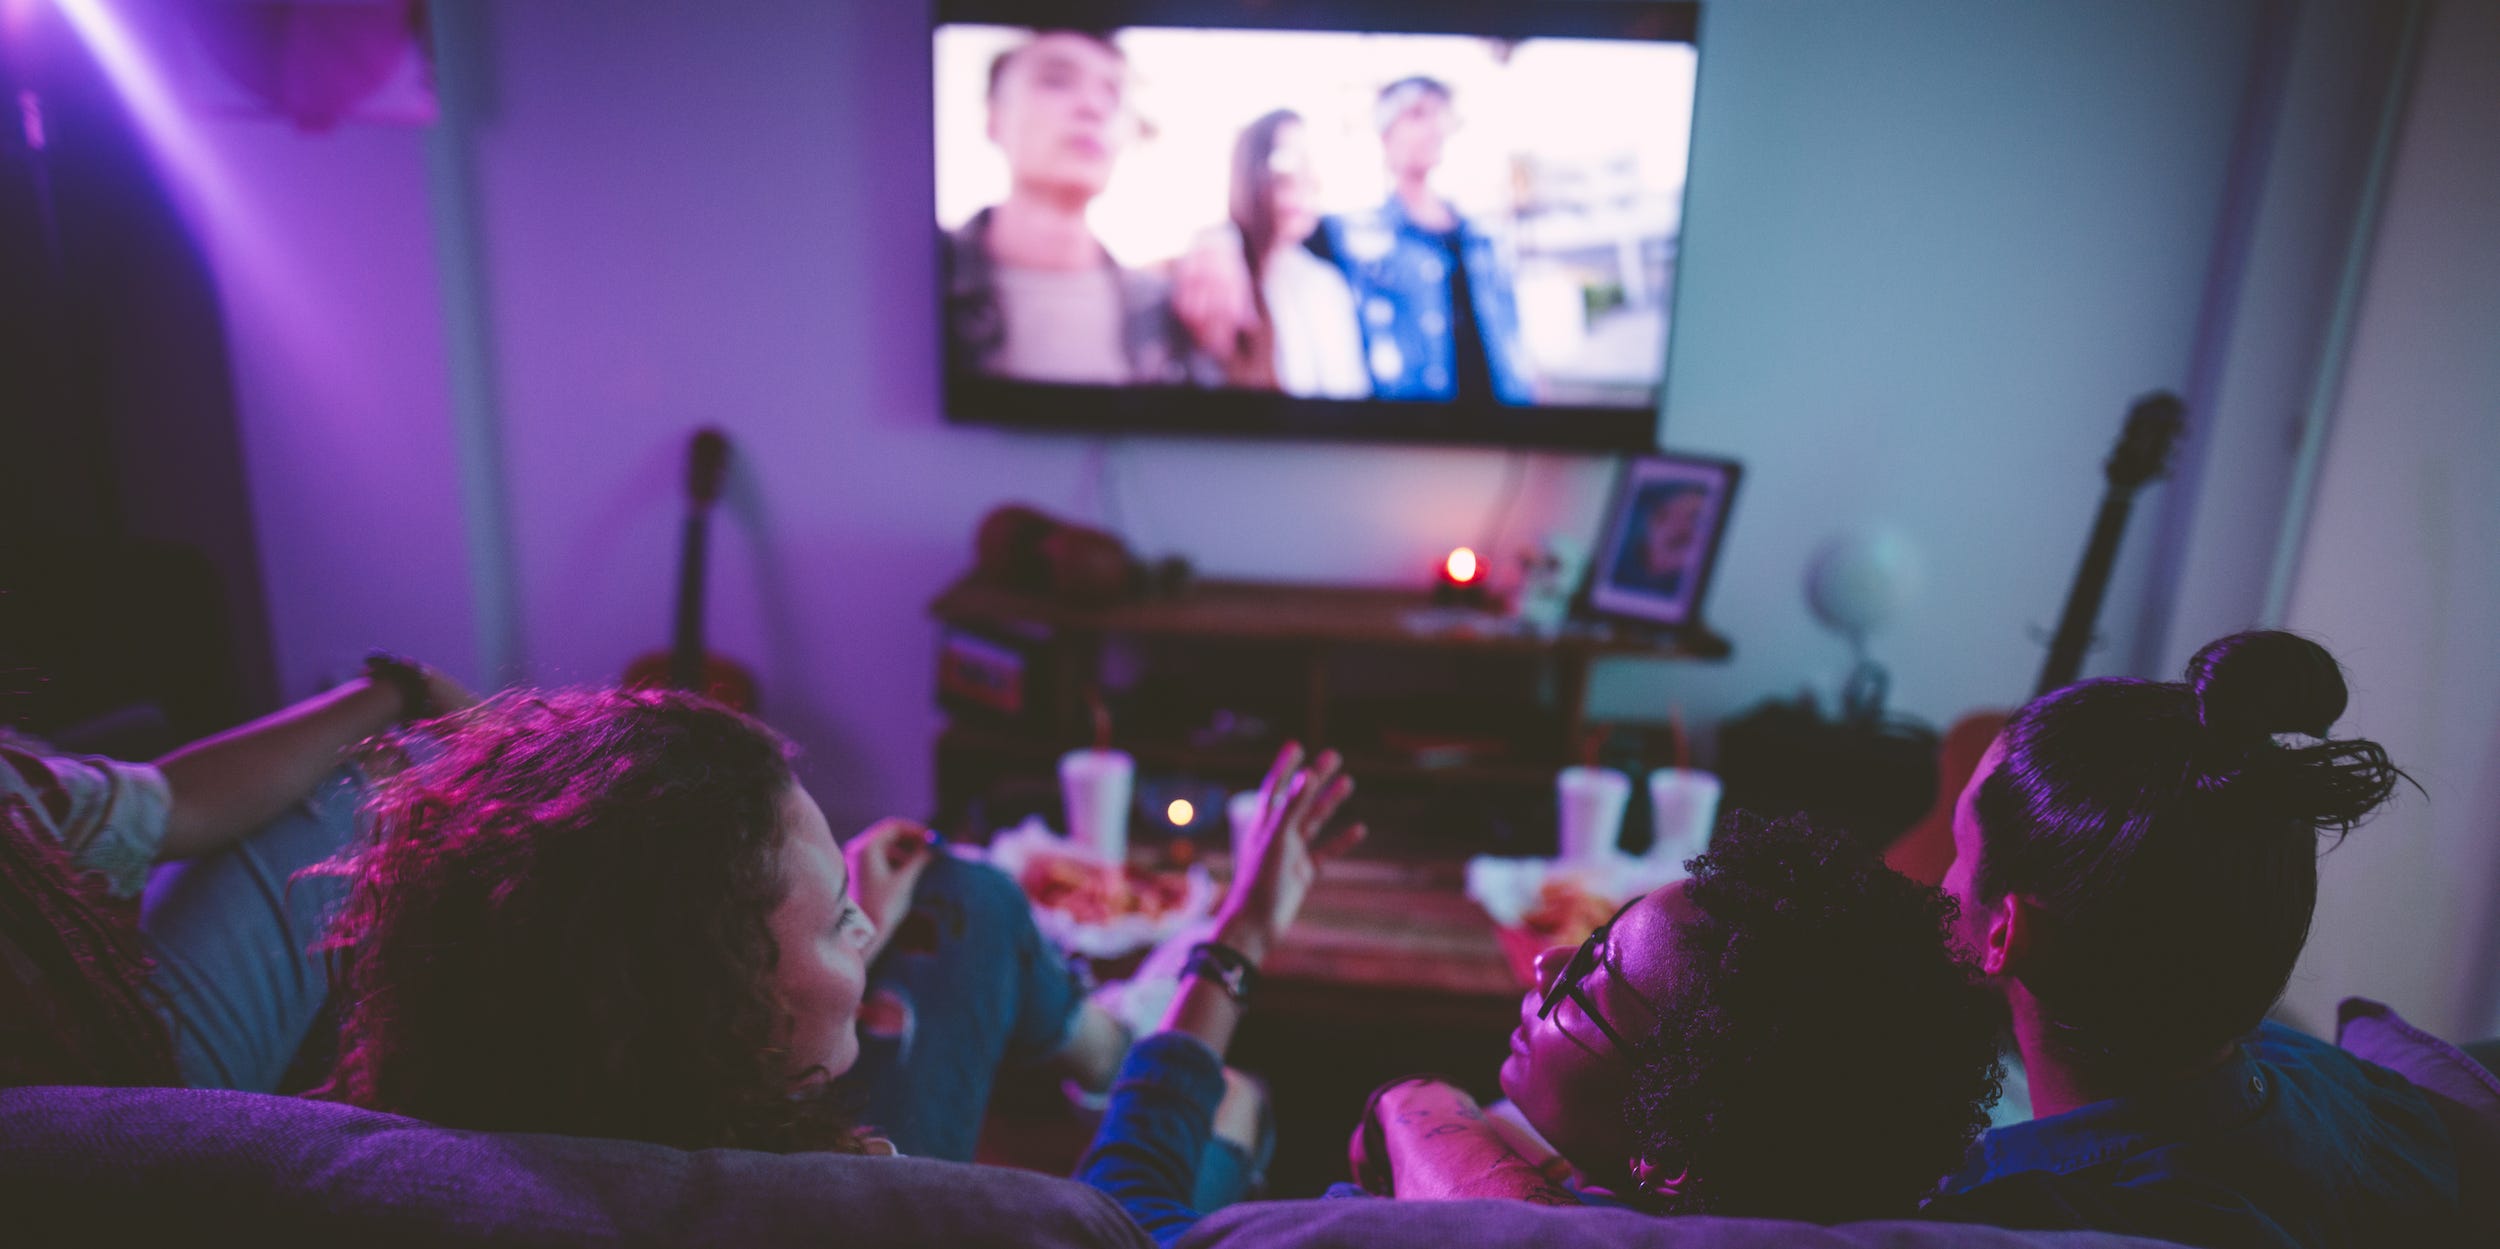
<point>416,700</point>
<point>1226,966</point>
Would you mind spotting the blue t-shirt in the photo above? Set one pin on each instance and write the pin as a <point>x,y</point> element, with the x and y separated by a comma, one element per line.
<point>2290,1143</point>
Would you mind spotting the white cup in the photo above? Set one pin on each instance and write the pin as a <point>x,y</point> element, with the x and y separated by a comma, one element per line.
<point>1096,785</point>
<point>1244,811</point>
<point>1592,802</point>
<point>1683,808</point>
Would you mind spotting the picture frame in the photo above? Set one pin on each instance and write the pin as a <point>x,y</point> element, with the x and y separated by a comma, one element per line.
<point>1661,541</point>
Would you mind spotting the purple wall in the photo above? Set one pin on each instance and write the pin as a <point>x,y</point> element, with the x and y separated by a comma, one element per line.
<point>1932,254</point>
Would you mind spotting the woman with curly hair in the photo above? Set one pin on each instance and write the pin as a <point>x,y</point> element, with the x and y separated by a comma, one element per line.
<point>617,914</point>
<point>2136,863</point>
<point>1683,1060</point>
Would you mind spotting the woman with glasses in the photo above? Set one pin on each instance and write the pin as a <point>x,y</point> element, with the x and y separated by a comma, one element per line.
<point>1784,1034</point>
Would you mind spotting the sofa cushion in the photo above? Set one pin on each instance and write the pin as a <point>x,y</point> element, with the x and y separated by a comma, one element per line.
<point>111,1166</point>
<point>1456,1224</point>
<point>2465,1095</point>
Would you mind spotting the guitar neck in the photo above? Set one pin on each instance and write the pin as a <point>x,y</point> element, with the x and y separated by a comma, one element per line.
<point>685,655</point>
<point>2083,602</point>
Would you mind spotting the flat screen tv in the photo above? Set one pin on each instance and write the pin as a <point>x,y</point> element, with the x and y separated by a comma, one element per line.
<point>1444,222</point>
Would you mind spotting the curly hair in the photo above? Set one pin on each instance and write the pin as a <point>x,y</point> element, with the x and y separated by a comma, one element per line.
<point>1823,1053</point>
<point>81,1007</point>
<point>560,922</point>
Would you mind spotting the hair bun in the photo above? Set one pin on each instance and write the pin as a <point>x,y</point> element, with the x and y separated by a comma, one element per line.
<point>2251,686</point>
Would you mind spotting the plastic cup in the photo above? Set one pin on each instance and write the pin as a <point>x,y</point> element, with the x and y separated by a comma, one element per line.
<point>1097,785</point>
<point>1591,809</point>
<point>1244,811</point>
<point>1683,808</point>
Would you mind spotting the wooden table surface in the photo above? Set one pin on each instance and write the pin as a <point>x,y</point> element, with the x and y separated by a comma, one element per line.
<point>1375,924</point>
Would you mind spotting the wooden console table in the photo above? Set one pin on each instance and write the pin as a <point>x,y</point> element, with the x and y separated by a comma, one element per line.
<point>1519,713</point>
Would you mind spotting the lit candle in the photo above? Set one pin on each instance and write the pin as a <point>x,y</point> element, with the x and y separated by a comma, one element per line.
<point>1461,579</point>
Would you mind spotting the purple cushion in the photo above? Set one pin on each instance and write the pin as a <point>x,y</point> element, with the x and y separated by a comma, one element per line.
<point>1356,1224</point>
<point>170,1166</point>
<point>2466,1096</point>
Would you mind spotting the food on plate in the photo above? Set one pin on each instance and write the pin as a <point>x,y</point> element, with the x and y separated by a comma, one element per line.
<point>1565,912</point>
<point>1090,892</point>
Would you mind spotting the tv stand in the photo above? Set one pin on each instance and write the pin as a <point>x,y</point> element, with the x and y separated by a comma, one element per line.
<point>1440,712</point>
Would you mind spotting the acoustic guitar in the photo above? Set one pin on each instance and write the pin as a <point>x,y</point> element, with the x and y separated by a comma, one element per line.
<point>686,665</point>
<point>2141,456</point>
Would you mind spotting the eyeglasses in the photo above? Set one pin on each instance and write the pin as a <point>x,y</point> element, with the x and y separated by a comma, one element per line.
<point>1583,961</point>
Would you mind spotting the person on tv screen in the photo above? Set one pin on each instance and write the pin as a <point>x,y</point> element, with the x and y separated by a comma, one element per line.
<point>1030,292</point>
<point>1303,339</point>
<point>1438,316</point>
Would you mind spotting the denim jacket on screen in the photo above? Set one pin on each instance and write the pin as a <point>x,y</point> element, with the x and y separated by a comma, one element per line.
<point>1400,275</point>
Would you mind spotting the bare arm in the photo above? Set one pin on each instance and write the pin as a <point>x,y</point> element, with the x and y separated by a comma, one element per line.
<point>1095,1047</point>
<point>1441,1146</point>
<point>227,785</point>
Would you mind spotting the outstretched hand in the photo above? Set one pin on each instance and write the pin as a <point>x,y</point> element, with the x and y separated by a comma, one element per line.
<point>885,863</point>
<point>1281,858</point>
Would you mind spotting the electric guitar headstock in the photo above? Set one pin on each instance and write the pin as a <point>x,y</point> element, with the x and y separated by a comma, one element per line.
<point>2143,450</point>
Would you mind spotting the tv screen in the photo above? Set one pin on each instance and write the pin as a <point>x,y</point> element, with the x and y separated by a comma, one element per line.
<point>1452,222</point>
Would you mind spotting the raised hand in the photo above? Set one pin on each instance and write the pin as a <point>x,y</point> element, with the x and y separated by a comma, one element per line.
<point>1281,859</point>
<point>885,864</point>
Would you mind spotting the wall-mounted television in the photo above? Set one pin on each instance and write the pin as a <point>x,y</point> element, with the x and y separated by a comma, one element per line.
<point>1404,221</point>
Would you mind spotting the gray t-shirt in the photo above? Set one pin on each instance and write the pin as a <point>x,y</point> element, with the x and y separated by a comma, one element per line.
<point>109,815</point>
<point>1062,326</point>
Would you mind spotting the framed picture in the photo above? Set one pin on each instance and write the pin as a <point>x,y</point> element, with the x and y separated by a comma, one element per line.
<point>1662,537</point>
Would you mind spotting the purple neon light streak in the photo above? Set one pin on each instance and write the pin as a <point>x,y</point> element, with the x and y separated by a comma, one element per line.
<point>251,262</point>
<point>30,115</point>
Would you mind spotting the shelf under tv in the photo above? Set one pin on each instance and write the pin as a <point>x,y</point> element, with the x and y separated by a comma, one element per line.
<point>1312,658</point>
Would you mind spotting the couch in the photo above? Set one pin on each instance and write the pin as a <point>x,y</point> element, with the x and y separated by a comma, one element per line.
<point>184,1166</point>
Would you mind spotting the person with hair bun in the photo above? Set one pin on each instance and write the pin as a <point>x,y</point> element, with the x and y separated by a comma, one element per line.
<point>2136,864</point>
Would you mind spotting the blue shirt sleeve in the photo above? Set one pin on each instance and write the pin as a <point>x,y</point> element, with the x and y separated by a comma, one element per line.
<point>1155,1130</point>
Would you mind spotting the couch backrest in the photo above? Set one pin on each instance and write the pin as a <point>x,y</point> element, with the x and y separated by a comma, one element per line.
<point>2465,1094</point>
<point>111,1166</point>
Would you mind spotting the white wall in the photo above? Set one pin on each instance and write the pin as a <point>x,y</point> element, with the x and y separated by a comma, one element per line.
<point>1933,249</point>
<point>2397,573</point>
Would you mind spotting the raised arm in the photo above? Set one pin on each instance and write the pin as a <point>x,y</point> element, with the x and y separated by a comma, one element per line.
<point>1163,1104</point>
<point>227,785</point>
<point>1442,1146</point>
